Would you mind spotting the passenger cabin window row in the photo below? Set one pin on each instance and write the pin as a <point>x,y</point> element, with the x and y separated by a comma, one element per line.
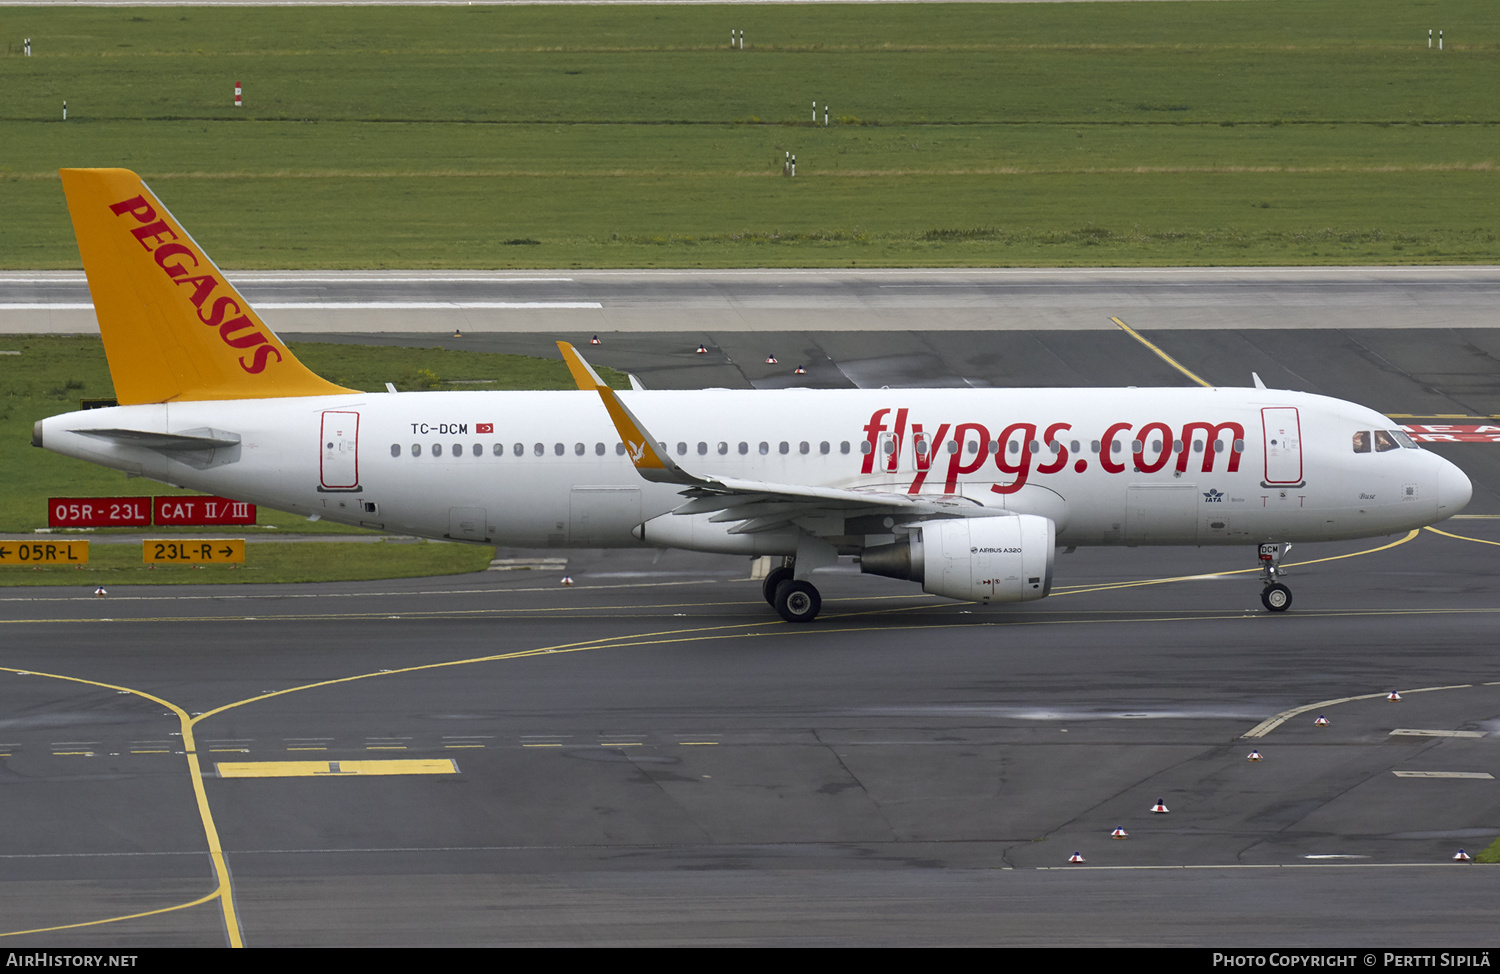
<point>921,446</point>
<point>600,449</point>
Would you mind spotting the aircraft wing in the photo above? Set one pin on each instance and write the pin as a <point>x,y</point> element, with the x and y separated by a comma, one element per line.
<point>757,505</point>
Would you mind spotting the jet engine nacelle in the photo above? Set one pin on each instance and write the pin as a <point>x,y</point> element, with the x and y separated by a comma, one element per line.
<point>982,559</point>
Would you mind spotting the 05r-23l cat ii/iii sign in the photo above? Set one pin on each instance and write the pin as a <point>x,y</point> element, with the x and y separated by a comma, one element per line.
<point>969,492</point>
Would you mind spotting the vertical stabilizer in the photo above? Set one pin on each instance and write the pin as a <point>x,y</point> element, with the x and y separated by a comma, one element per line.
<point>174,328</point>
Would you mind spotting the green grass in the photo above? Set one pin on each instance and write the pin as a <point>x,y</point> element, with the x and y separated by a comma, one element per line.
<point>1264,131</point>
<point>1491,854</point>
<point>54,372</point>
<point>323,561</point>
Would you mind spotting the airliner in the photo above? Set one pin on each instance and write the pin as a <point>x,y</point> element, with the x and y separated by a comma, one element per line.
<point>968,492</point>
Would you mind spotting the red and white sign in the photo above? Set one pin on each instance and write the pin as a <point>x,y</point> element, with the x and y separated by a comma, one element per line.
<point>98,512</point>
<point>1453,433</point>
<point>139,512</point>
<point>484,427</point>
<point>202,510</point>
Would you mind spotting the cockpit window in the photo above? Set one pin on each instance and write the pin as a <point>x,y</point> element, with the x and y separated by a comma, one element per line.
<point>1362,441</point>
<point>1407,443</point>
<point>1384,442</point>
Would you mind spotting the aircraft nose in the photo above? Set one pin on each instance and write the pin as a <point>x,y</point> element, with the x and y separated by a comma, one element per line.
<point>1454,489</point>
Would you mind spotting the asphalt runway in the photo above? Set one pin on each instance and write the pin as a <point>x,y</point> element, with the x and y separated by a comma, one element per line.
<point>650,757</point>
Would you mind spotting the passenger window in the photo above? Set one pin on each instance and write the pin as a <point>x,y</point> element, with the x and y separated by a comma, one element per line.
<point>578,449</point>
<point>498,449</point>
<point>785,447</point>
<point>866,448</point>
<point>458,449</point>
<point>765,448</point>
<point>803,447</point>
<point>823,448</point>
<point>416,449</point>
<point>519,449</point>
<point>744,448</point>
<point>619,449</point>
<point>723,448</point>
<point>844,446</point>
<point>540,449</point>
<point>702,449</point>
<point>681,449</point>
<point>395,449</point>
<point>437,449</point>
<point>557,449</point>
<point>598,449</point>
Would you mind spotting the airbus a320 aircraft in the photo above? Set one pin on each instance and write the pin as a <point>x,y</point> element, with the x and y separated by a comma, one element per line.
<point>968,492</point>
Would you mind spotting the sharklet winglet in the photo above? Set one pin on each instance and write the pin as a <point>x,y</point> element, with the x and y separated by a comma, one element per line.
<point>651,463</point>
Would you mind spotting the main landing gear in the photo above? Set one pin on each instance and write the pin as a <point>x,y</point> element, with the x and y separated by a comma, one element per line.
<point>795,600</point>
<point>1274,596</point>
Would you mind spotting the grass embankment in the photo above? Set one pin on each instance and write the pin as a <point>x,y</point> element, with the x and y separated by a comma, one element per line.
<point>1257,132</point>
<point>53,373</point>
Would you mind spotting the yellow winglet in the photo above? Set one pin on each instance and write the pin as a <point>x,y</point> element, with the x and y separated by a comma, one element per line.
<point>649,462</point>
<point>174,328</point>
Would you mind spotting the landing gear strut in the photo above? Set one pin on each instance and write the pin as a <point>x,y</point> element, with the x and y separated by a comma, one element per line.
<point>1275,596</point>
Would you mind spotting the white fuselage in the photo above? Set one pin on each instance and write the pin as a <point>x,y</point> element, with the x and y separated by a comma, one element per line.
<point>544,469</point>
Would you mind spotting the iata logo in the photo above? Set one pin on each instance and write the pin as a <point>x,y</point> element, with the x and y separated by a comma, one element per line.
<point>1212,496</point>
<point>174,259</point>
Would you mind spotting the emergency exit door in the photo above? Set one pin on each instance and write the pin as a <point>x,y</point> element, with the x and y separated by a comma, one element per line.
<point>1283,439</point>
<point>339,468</point>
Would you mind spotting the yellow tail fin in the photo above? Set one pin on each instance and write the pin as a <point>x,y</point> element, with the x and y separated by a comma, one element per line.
<point>174,328</point>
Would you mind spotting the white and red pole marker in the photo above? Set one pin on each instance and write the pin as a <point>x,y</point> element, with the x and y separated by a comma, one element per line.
<point>100,591</point>
<point>566,580</point>
<point>1321,721</point>
<point>1254,755</point>
<point>595,341</point>
<point>1393,697</point>
<point>799,370</point>
<point>702,349</point>
<point>770,360</point>
<point>1160,807</point>
<point>1119,834</point>
<point>1463,857</point>
<point>1077,857</point>
<point>238,96</point>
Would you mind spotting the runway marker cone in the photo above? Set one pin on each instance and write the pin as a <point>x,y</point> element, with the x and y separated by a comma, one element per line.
<point>100,591</point>
<point>1255,755</point>
<point>770,360</point>
<point>1160,807</point>
<point>1119,834</point>
<point>595,341</point>
<point>1463,857</point>
<point>566,580</point>
<point>1321,721</point>
<point>702,349</point>
<point>799,370</point>
<point>1077,857</point>
<point>1393,697</point>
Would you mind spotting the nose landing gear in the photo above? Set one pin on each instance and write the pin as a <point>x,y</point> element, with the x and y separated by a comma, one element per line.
<point>1275,596</point>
